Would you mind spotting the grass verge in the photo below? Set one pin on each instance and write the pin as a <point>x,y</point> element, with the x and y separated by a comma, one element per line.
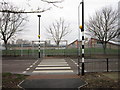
<point>108,80</point>
<point>10,80</point>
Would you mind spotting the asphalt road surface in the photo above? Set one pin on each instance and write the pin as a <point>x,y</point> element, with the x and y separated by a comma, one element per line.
<point>51,66</point>
<point>44,66</point>
<point>15,66</point>
<point>57,66</point>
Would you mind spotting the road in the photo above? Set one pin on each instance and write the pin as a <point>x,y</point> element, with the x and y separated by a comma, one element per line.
<point>51,66</point>
<point>57,66</point>
<point>15,66</point>
<point>40,66</point>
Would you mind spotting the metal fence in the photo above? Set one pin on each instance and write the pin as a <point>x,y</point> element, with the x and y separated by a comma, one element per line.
<point>101,65</point>
<point>31,50</point>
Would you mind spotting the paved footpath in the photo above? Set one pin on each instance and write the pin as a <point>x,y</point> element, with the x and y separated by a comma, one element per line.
<point>52,73</point>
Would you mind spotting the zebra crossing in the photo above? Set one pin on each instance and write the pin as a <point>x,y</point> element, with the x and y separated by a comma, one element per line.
<point>52,66</point>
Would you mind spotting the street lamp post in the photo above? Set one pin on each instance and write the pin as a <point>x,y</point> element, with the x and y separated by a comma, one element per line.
<point>39,36</point>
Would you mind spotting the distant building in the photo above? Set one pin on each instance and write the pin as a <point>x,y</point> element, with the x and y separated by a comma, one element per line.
<point>74,44</point>
<point>94,43</point>
<point>2,48</point>
<point>21,41</point>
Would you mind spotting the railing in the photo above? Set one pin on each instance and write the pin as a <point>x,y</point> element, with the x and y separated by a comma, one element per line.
<point>101,65</point>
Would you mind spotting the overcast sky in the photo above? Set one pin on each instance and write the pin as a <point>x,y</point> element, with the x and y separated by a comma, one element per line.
<point>69,12</point>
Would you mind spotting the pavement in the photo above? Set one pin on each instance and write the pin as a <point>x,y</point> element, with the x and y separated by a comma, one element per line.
<point>62,82</point>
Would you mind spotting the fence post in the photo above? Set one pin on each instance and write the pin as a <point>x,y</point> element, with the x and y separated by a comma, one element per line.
<point>107,65</point>
<point>22,49</point>
<point>28,53</point>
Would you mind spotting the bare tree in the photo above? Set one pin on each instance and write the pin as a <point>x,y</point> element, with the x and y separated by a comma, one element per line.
<point>12,18</point>
<point>37,10</point>
<point>58,30</point>
<point>10,23</point>
<point>104,25</point>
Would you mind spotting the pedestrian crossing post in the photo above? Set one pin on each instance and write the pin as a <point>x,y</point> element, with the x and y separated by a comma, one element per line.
<point>39,36</point>
<point>82,30</point>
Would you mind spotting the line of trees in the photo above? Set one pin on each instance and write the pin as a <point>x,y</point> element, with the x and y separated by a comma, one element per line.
<point>12,18</point>
<point>103,25</point>
<point>10,23</point>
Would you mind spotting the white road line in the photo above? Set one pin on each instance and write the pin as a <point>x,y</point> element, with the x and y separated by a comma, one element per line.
<point>24,72</point>
<point>53,65</point>
<point>53,68</point>
<point>35,62</point>
<point>20,84</point>
<point>84,70</point>
<point>53,62</point>
<point>52,71</point>
<point>31,66</point>
<point>28,69</point>
<point>75,62</point>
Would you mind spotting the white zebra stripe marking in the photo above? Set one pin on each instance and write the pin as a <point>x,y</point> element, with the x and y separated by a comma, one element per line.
<point>53,71</point>
<point>53,68</point>
<point>53,65</point>
<point>53,62</point>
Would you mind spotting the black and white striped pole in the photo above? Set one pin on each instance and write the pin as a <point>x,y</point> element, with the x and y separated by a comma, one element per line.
<point>39,37</point>
<point>82,30</point>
